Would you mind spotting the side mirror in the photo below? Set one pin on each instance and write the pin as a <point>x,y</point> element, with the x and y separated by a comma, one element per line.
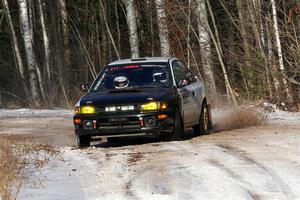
<point>84,87</point>
<point>183,83</point>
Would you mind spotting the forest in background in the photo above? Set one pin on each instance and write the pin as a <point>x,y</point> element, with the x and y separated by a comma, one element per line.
<point>245,50</point>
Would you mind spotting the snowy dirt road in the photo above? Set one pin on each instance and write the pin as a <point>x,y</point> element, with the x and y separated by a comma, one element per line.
<point>250,163</point>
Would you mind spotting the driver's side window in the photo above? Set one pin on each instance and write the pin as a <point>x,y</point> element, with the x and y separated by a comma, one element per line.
<point>180,73</point>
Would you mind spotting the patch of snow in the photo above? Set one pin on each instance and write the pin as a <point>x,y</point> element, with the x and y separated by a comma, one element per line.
<point>77,176</point>
<point>256,163</point>
<point>284,117</point>
<point>19,113</point>
<point>165,171</point>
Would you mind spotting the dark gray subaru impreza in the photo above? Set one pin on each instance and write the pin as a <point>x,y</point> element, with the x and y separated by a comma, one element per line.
<point>144,96</point>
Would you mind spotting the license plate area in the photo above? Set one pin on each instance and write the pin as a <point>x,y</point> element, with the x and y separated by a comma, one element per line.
<point>119,119</point>
<point>119,123</point>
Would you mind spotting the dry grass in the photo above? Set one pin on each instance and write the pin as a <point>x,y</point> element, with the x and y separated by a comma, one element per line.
<point>18,159</point>
<point>240,117</point>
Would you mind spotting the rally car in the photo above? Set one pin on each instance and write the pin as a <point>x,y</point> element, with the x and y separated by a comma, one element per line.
<point>145,96</point>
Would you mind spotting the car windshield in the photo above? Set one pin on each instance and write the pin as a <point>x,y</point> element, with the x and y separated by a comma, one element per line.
<point>129,76</point>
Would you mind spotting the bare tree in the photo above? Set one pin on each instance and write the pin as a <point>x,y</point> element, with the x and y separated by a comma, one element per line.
<point>118,25</point>
<point>188,40</point>
<point>46,40</point>
<point>65,30</point>
<point>104,15</point>
<point>27,37</point>
<point>273,67</point>
<point>216,41</point>
<point>17,54</point>
<point>1,19</point>
<point>162,27</point>
<point>246,46</point>
<point>280,55</point>
<point>132,26</point>
<point>205,46</point>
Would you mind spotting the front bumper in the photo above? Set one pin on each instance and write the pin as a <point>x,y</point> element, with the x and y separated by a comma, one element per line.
<point>124,124</point>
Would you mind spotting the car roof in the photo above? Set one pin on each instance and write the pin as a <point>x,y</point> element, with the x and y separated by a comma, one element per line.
<point>141,60</point>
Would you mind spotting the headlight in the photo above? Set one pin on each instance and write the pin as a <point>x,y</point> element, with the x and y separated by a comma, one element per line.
<point>149,106</point>
<point>153,105</point>
<point>85,110</point>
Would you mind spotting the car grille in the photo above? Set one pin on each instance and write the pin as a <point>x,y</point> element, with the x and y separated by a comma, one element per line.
<point>119,123</point>
<point>116,109</point>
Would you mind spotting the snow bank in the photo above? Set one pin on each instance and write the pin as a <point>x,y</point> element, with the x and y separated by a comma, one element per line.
<point>279,116</point>
<point>276,115</point>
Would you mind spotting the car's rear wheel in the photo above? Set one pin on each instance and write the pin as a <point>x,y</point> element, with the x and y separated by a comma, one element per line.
<point>178,131</point>
<point>83,141</point>
<point>204,121</point>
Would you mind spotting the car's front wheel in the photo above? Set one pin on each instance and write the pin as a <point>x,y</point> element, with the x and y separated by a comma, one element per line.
<point>178,131</point>
<point>204,121</point>
<point>83,141</point>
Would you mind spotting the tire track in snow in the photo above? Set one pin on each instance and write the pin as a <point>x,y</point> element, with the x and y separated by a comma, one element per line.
<point>132,160</point>
<point>134,165</point>
<point>185,181</point>
<point>140,173</point>
<point>243,184</point>
<point>153,174</point>
<point>273,179</point>
<point>268,185</point>
<point>103,172</point>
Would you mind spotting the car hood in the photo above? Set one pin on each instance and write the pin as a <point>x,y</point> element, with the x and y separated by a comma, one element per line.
<point>126,96</point>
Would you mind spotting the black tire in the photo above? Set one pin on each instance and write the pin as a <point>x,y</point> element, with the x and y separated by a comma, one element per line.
<point>204,121</point>
<point>178,131</point>
<point>210,117</point>
<point>83,141</point>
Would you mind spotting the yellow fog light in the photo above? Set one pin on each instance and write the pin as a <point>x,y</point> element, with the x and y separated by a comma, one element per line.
<point>149,106</point>
<point>88,110</point>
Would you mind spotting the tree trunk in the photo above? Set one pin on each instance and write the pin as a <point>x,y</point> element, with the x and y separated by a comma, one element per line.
<point>58,48</point>
<point>132,27</point>
<point>272,65</point>
<point>1,20</point>
<point>118,26</point>
<point>205,46</point>
<point>27,37</point>
<point>65,57</point>
<point>188,35</point>
<point>104,39</point>
<point>229,90</point>
<point>17,54</point>
<point>246,46</point>
<point>104,15</point>
<point>288,93</point>
<point>261,26</point>
<point>65,31</point>
<point>162,28</point>
<point>46,41</point>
